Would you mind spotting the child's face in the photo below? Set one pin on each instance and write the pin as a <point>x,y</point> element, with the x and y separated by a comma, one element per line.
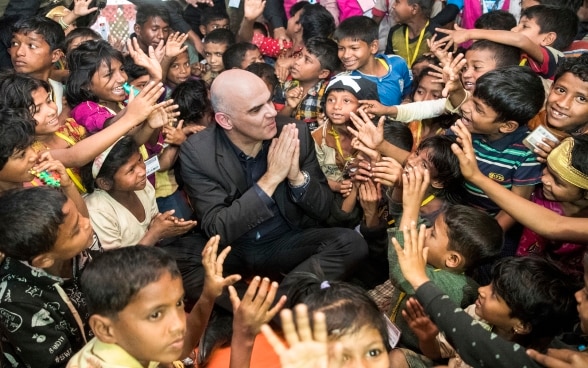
<point>559,190</point>
<point>107,83</point>
<point>567,103</point>
<point>31,54</point>
<point>437,240</point>
<point>141,82</point>
<point>213,52</point>
<point>17,168</point>
<point>356,54</point>
<point>582,299</point>
<point>306,67</point>
<point>77,42</point>
<point>531,29</point>
<point>152,327</point>
<point>421,158</point>
<point>131,176</point>
<point>428,90</point>
<point>402,11</point>
<point>179,70</point>
<point>251,56</point>
<point>363,348</point>
<point>491,307</point>
<point>215,24</point>
<point>480,118</point>
<point>478,63</point>
<point>153,31</point>
<point>339,105</point>
<point>74,235</point>
<point>45,113</point>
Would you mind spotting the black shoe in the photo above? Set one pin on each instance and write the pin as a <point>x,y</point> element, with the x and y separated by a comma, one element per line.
<point>218,334</point>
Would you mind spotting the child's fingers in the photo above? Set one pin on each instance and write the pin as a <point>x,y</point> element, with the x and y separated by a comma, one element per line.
<point>288,327</point>
<point>303,323</point>
<point>234,297</point>
<point>319,327</point>
<point>220,260</point>
<point>278,307</point>
<point>251,289</point>
<point>273,340</point>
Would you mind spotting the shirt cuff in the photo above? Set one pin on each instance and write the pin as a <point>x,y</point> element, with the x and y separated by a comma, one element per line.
<point>267,200</point>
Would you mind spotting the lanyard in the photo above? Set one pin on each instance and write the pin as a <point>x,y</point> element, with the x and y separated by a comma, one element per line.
<point>335,134</point>
<point>410,60</point>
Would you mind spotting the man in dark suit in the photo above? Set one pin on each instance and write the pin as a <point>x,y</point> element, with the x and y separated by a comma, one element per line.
<point>257,184</point>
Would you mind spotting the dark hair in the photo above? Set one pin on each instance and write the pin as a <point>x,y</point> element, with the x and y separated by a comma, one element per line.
<point>446,165</point>
<point>114,278</point>
<point>297,7</point>
<point>425,5</point>
<point>497,19</point>
<point>192,98</point>
<point>578,66</point>
<point>398,134</point>
<point>357,28</point>
<point>571,4</point>
<point>211,14</point>
<point>146,11</point>
<point>580,153</point>
<point>266,72</point>
<point>83,63</point>
<point>233,56</point>
<point>118,156</point>
<point>220,36</point>
<point>316,21</point>
<point>539,294</point>
<point>16,90</point>
<point>474,234</point>
<point>417,80</point>
<point>80,32</point>
<point>325,51</point>
<point>17,132</point>
<point>133,70</point>
<point>89,19</point>
<point>347,307</point>
<point>50,30</point>
<point>514,93</point>
<point>261,27</point>
<point>503,55</point>
<point>29,221</point>
<point>562,21</point>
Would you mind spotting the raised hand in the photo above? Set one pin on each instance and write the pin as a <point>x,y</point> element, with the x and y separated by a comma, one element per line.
<point>449,74</point>
<point>412,259</point>
<point>466,155</point>
<point>369,134</point>
<point>253,9</point>
<point>212,262</point>
<point>141,105</point>
<point>440,49</point>
<point>457,36</point>
<point>150,62</point>
<point>387,172</point>
<point>175,44</point>
<point>81,8</point>
<point>294,96</point>
<point>418,321</point>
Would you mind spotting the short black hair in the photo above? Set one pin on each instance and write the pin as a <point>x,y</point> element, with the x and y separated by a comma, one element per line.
<point>578,66</point>
<point>497,19</point>
<point>17,132</point>
<point>580,153</point>
<point>359,28</point>
<point>474,234</point>
<point>220,36</point>
<point>211,14</point>
<point>426,6</point>
<point>514,93</point>
<point>539,294</point>
<point>562,21</point>
<point>146,11</point>
<point>80,32</point>
<point>398,134</point>
<point>503,55</point>
<point>29,221</point>
<point>192,98</point>
<point>316,21</point>
<point>48,28</point>
<point>325,51</point>
<point>114,278</point>
<point>266,72</point>
<point>233,56</point>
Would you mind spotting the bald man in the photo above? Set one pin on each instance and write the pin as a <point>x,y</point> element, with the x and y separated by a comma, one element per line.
<point>257,183</point>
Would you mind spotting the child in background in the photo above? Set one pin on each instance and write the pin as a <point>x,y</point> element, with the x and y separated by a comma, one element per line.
<point>357,39</point>
<point>77,36</point>
<point>135,301</point>
<point>241,55</point>
<point>484,56</point>
<point>215,45</point>
<point>212,18</point>
<point>310,74</point>
<point>496,19</point>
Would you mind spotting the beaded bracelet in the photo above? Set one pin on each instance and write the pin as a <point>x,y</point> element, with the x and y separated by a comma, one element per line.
<point>63,25</point>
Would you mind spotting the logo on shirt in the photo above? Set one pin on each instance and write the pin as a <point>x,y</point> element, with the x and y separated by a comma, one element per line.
<point>496,176</point>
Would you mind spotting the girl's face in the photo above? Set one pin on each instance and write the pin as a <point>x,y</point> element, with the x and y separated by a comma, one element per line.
<point>106,83</point>
<point>179,71</point>
<point>131,176</point>
<point>559,190</point>
<point>428,90</point>
<point>421,157</point>
<point>364,348</point>
<point>45,112</point>
<point>339,105</point>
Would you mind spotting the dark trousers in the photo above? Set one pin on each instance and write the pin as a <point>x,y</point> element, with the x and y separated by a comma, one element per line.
<point>330,253</point>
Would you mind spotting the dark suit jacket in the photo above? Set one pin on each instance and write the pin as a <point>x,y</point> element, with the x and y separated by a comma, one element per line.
<point>215,182</point>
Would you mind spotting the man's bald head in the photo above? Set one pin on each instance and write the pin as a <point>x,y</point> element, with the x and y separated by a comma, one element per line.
<point>233,86</point>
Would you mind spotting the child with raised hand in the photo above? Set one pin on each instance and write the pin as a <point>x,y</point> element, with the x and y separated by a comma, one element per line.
<point>175,65</point>
<point>561,203</point>
<point>135,299</point>
<point>524,310</point>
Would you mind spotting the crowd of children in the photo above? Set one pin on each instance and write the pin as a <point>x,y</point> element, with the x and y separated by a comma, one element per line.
<point>458,154</point>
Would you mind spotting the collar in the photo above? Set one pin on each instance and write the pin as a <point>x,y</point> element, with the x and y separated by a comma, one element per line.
<point>507,140</point>
<point>240,154</point>
<point>115,355</point>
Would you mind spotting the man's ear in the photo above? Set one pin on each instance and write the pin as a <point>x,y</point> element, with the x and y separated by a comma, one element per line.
<point>223,120</point>
<point>104,184</point>
<point>44,260</point>
<point>56,55</point>
<point>324,74</point>
<point>454,260</point>
<point>102,328</point>
<point>548,39</point>
<point>374,45</point>
<point>508,126</point>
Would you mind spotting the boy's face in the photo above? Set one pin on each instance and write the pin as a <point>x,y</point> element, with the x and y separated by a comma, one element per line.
<point>480,118</point>
<point>45,113</point>
<point>152,32</point>
<point>77,42</point>
<point>17,168</point>
<point>31,54</point>
<point>152,327</point>
<point>559,190</point>
<point>338,106</point>
<point>491,307</point>
<point>306,67</point>
<point>131,176</point>
<point>179,70</point>
<point>213,52</point>
<point>437,241</point>
<point>251,56</point>
<point>215,24</point>
<point>107,83</point>
<point>531,29</point>
<point>356,54</point>
<point>363,348</point>
<point>402,11</point>
<point>141,82</point>
<point>428,90</point>
<point>567,103</point>
<point>478,63</point>
<point>582,299</point>
<point>75,234</point>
